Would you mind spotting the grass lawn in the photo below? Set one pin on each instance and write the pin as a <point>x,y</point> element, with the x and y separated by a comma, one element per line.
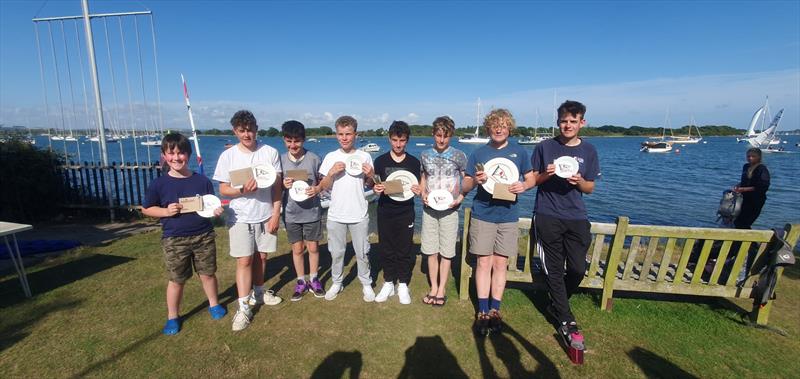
<point>99,312</point>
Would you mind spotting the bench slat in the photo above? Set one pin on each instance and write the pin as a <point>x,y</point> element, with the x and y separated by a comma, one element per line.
<point>699,233</point>
<point>663,268</point>
<point>633,251</point>
<point>741,258</point>
<point>648,258</point>
<point>599,242</point>
<point>701,263</point>
<point>688,246</point>
<point>723,255</point>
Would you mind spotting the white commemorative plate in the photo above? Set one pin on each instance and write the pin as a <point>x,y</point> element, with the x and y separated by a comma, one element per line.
<point>210,203</point>
<point>499,170</point>
<point>566,166</point>
<point>440,200</point>
<point>353,165</point>
<point>408,180</point>
<point>298,191</point>
<point>264,175</point>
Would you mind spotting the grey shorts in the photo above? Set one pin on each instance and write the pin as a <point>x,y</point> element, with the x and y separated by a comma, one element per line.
<point>181,253</point>
<point>486,238</point>
<point>246,239</point>
<point>308,231</point>
<point>439,232</point>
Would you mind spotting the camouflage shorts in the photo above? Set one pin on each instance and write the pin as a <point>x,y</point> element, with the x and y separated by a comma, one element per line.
<point>181,253</point>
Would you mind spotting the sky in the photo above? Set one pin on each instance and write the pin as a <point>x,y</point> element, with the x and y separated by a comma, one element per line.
<point>630,62</point>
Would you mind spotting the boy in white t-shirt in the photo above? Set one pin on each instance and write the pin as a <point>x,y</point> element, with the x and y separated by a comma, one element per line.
<point>346,171</point>
<point>253,215</point>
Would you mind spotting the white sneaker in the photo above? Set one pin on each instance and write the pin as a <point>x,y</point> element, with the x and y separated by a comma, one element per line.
<point>403,293</point>
<point>369,294</point>
<point>241,319</point>
<point>386,292</point>
<point>268,298</point>
<point>333,291</point>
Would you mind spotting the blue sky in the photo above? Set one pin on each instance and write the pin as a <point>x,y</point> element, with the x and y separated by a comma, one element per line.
<point>313,61</point>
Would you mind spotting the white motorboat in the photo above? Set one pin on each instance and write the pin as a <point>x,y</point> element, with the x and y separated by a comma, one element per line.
<point>370,148</point>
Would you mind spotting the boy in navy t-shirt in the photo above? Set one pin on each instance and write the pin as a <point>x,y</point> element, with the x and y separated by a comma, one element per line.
<point>562,227</point>
<point>493,230</point>
<point>188,239</point>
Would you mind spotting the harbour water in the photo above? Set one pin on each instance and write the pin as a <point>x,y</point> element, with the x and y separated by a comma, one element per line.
<point>682,187</point>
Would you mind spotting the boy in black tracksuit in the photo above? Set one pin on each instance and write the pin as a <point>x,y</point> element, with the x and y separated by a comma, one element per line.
<point>561,223</point>
<point>396,216</point>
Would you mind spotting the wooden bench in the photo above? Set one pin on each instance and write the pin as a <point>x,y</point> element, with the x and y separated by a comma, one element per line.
<point>648,258</point>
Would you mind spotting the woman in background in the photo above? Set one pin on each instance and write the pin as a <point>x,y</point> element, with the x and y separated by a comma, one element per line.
<point>753,186</point>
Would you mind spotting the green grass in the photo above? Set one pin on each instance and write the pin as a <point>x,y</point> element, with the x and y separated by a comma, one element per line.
<point>99,312</point>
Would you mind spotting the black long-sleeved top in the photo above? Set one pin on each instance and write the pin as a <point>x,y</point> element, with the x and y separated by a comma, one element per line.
<point>760,181</point>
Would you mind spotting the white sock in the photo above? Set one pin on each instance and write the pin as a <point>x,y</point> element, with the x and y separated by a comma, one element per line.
<point>243,302</point>
<point>302,278</point>
<point>258,291</point>
<point>312,276</point>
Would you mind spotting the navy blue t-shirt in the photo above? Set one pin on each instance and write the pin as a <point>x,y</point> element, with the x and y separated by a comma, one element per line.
<point>166,190</point>
<point>556,197</point>
<point>485,208</point>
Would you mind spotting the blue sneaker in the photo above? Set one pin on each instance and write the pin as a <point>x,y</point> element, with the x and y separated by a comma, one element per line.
<point>217,312</point>
<point>172,326</point>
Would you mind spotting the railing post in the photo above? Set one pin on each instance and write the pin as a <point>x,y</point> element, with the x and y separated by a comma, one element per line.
<point>466,271</point>
<point>610,274</point>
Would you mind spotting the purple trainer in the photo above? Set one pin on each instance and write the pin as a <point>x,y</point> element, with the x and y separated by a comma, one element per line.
<point>316,288</point>
<point>299,289</point>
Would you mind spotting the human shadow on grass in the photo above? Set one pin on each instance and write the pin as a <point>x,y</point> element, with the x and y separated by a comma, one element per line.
<point>654,366</point>
<point>430,358</point>
<point>510,355</point>
<point>119,353</point>
<point>336,364</point>
<point>14,332</point>
<point>48,279</point>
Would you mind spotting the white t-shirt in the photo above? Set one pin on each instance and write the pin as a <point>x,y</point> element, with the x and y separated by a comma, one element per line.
<point>253,207</point>
<point>347,194</point>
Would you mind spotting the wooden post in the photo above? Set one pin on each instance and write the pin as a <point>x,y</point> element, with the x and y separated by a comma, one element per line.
<point>761,314</point>
<point>606,303</point>
<point>466,271</point>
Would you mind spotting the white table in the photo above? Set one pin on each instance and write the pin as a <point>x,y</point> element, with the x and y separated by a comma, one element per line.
<point>10,229</point>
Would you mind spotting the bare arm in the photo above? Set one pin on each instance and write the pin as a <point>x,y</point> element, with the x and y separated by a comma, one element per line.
<point>159,212</point>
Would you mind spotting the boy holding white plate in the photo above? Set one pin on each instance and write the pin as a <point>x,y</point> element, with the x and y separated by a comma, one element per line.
<point>442,173</point>
<point>302,212</point>
<point>188,239</point>
<point>346,172</point>
<point>501,171</point>
<point>396,213</point>
<point>253,214</point>
<point>565,168</point>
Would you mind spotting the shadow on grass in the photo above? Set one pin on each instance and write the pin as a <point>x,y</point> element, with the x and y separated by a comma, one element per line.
<point>110,360</point>
<point>654,366</point>
<point>57,276</point>
<point>430,358</point>
<point>792,272</point>
<point>12,333</point>
<point>510,355</point>
<point>336,364</point>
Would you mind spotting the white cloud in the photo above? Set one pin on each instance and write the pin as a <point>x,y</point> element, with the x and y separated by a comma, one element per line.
<point>711,99</point>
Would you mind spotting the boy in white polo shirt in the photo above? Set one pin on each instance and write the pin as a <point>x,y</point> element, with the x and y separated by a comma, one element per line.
<point>348,207</point>
<point>252,217</point>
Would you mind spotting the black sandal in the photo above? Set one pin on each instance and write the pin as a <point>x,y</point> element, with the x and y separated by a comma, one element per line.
<point>438,299</point>
<point>429,300</point>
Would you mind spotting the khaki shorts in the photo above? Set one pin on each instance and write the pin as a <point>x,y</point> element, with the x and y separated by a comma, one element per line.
<point>246,239</point>
<point>181,253</point>
<point>486,238</point>
<point>439,232</point>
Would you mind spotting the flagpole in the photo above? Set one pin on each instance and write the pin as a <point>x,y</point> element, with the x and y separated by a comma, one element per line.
<point>194,130</point>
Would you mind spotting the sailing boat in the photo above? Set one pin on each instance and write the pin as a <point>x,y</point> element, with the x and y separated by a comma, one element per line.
<point>688,139</point>
<point>768,137</point>
<point>661,146</point>
<point>762,116</point>
<point>475,138</point>
<point>536,137</point>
